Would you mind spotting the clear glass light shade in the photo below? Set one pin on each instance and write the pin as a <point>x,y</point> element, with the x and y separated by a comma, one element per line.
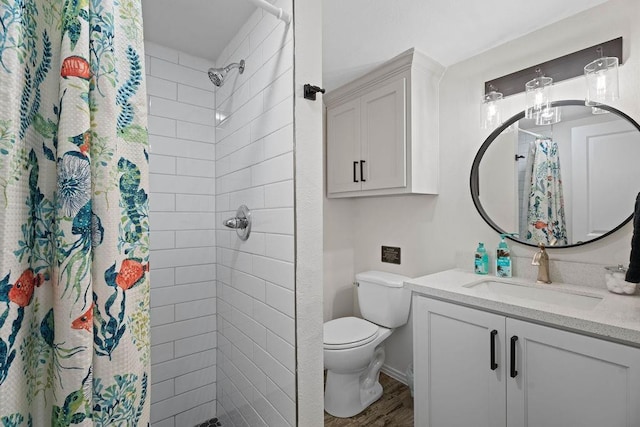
<point>602,81</point>
<point>549,116</point>
<point>538,96</point>
<point>490,110</point>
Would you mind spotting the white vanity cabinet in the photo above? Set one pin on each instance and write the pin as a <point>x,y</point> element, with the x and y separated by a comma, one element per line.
<point>382,130</point>
<point>538,377</point>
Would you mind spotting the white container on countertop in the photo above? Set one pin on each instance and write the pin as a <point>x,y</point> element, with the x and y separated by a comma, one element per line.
<point>615,280</point>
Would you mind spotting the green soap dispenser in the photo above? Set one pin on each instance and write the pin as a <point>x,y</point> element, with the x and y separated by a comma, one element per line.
<point>503,257</point>
<point>481,260</point>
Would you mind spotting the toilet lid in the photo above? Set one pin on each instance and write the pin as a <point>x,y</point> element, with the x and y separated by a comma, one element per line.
<point>348,332</point>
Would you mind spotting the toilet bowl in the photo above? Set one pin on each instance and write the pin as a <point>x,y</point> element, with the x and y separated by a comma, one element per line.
<point>353,350</point>
<point>353,366</point>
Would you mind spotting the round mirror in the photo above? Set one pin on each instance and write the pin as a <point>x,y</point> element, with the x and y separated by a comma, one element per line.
<point>564,184</point>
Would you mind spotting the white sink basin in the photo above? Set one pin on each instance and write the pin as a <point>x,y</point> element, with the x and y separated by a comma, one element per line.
<point>543,293</point>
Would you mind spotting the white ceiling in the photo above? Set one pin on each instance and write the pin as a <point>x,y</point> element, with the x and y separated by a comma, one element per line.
<point>360,34</point>
<point>199,27</point>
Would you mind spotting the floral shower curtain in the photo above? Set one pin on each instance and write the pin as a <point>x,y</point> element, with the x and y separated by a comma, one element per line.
<point>546,222</point>
<point>74,245</point>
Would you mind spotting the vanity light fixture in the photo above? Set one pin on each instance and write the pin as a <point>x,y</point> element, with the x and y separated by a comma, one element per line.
<point>490,109</point>
<point>602,80</point>
<point>536,80</point>
<point>537,95</point>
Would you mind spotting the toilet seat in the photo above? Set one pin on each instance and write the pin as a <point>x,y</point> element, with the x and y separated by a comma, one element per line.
<point>348,332</point>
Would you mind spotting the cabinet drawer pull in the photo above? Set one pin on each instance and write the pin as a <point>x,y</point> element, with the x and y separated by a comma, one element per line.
<point>514,372</point>
<point>362,171</point>
<point>492,343</point>
<point>355,178</point>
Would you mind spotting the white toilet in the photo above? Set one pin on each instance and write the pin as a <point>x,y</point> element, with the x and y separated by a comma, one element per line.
<point>353,352</point>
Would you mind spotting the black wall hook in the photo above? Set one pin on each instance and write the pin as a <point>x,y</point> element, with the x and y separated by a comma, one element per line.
<point>310,91</point>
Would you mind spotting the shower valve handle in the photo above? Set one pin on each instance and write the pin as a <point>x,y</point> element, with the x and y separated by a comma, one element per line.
<point>241,222</point>
<point>236,223</point>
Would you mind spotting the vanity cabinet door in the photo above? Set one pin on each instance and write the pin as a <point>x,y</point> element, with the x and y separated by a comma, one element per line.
<point>566,379</point>
<point>456,381</point>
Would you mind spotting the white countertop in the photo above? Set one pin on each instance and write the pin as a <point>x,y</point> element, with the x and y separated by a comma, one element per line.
<point>615,318</point>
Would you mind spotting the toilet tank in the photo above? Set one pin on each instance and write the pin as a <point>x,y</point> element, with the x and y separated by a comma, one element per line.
<point>382,298</point>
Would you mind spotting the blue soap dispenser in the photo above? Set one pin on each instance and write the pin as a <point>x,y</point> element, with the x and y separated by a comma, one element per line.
<point>481,260</point>
<point>503,257</point>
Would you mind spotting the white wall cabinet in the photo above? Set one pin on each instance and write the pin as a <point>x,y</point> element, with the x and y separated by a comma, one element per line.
<point>382,130</point>
<point>483,369</point>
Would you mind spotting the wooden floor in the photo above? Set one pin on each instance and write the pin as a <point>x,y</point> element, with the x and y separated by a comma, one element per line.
<point>394,408</point>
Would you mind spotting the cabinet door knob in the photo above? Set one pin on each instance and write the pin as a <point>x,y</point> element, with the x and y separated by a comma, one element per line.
<point>355,178</point>
<point>361,171</point>
<point>514,372</point>
<point>492,343</point>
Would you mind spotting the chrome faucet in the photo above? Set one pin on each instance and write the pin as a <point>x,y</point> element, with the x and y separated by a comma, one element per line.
<point>541,259</point>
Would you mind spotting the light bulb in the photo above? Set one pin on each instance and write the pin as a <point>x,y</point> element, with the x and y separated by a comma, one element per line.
<point>601,85</point>
<point>539,98</point>
<point>490,111</point>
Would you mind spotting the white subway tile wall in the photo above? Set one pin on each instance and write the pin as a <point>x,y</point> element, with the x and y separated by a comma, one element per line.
<point>255,279</point>
<point>183,238</point>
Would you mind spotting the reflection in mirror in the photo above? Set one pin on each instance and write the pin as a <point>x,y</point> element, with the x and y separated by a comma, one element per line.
<point>564,184</point>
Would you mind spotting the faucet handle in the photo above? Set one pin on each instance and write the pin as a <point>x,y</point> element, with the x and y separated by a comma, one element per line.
<point>536,258</point>
<point>541,259</point>
<point>538,255</point>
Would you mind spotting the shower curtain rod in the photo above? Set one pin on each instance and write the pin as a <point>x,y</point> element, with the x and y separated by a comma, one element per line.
<point>537,135</point>
<point>275,11</point>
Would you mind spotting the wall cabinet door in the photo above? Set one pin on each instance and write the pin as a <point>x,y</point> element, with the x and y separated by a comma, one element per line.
<point>456,381</point>
<point>567,379</point>
<point>343,147</point>
<point>384,146</point>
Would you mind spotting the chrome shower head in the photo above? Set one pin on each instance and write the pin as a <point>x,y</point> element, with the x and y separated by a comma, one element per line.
<point>217,75</point>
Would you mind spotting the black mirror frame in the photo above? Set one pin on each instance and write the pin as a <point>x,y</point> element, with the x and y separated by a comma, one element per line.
<point>474,178</point>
